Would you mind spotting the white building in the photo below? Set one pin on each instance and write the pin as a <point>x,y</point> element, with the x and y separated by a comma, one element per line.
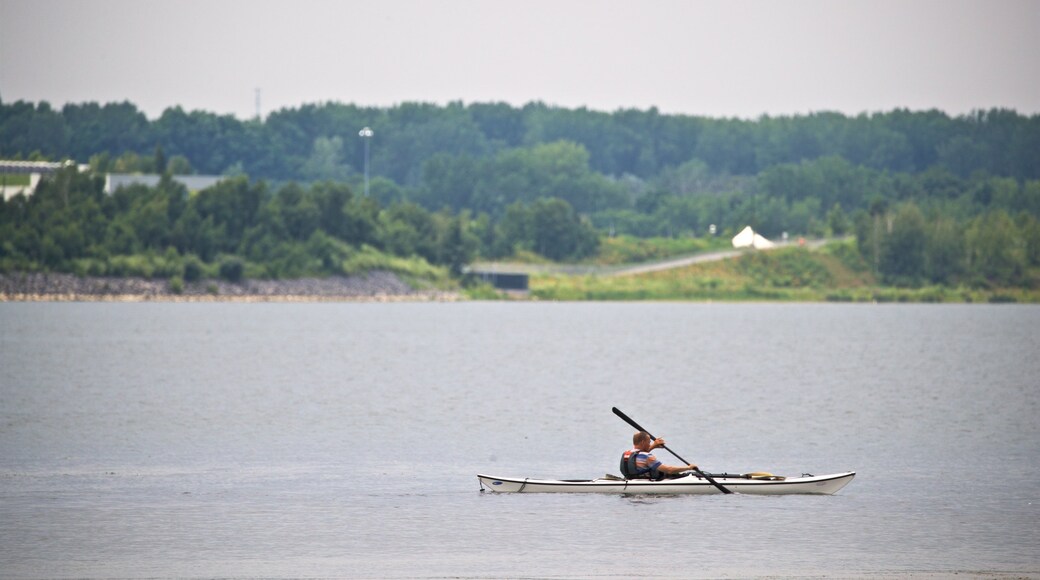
<point>35,169</point>
<point>192,183</point>
<point>113,181</point>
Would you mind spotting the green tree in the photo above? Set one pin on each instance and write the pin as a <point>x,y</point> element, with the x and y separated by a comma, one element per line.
<point>963,155</point>
<point>130,162</point>
<point>193,234</point>
<point>902,257</point>
<point>870,227</point>
<point>26,128</point>
<point>232,269</point>
<point>837,221</point>
<point>559,170</point>
<point>406,229</point>
<point>549,227</point>
<point>234,206</point>
<point>111,128</point>
<point>179,165</point>
<point>456,243</point>
<point>159,160</point>
<point>995,252</point>
<point>297,210</point>
<point>327,161</point>
<point>450,180</point>
<point>944,251</point>
<point>502,125</point>
<point>1029,229</point>
<point>415,132</point>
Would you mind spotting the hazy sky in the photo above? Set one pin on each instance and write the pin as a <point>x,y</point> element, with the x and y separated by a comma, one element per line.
<point>726,58</point>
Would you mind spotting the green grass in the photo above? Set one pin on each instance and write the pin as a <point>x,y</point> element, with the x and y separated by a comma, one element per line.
<point>14,179</point>
<point>629,250</point>
<point>415,271</point>
<point>790,274</point>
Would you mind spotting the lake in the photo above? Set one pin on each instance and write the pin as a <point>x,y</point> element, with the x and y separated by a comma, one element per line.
<point>343,440</point>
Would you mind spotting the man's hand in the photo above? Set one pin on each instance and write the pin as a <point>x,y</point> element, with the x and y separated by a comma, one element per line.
<point>659,442</point>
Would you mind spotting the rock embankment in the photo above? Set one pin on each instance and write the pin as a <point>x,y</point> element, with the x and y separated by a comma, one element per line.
<point>374,286</point>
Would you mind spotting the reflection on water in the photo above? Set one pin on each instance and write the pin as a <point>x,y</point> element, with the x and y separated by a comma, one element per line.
<point>154,440</point>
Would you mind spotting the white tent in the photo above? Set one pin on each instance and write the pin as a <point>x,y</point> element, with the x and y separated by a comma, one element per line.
<point>747,238</point>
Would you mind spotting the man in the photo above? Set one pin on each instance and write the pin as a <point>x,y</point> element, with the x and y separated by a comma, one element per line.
<point>639,463</point>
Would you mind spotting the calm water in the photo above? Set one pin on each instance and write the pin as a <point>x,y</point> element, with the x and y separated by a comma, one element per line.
<point>342,440</point>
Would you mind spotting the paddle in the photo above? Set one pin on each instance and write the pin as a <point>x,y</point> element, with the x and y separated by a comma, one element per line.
<point>628,420</point>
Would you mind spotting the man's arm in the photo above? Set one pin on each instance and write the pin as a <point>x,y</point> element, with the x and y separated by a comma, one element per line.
<point>670,469</point>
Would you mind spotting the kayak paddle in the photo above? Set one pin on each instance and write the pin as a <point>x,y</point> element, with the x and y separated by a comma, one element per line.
<point>628,420</point>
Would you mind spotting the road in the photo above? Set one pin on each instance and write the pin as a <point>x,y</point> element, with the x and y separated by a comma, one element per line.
<point>707,257</point>
<point>630,270</point>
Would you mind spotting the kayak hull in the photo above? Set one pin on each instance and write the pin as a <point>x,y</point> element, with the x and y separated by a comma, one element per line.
<point>688,484</point>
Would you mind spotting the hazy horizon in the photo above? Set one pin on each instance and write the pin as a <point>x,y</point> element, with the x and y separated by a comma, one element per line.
<point>714,59</point>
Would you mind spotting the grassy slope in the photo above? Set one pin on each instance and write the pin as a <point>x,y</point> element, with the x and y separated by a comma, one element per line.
<point>629,250</point>
<point>792,274</point>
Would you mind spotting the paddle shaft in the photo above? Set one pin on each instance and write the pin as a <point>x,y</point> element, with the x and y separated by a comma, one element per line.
<point>629,420</point>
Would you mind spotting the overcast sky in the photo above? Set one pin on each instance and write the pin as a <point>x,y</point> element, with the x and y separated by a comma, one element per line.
<point>725,58</point>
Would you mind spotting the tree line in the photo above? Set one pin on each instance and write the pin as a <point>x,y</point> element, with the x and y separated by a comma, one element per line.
<point>537,178</point>
<point>242,228</point>
<point>320,142</point>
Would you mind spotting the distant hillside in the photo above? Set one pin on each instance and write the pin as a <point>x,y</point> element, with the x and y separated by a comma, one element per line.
<point>929,198</point>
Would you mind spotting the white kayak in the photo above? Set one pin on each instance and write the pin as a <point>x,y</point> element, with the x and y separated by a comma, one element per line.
<point>755,484</point>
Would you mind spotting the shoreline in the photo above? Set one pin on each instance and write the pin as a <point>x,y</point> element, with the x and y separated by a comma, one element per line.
<point>376,286</point>
<point>245,298</point>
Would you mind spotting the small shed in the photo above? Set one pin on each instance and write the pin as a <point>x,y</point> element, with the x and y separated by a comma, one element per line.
<point>516,281</point>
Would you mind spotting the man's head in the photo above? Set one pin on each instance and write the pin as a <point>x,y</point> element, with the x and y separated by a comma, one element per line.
<point>641,440</point>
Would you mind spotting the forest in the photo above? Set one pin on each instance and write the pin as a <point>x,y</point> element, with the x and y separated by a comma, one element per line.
<point>930,198</point>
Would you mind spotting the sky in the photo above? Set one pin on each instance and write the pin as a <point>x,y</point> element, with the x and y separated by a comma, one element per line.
<point>706,58</point>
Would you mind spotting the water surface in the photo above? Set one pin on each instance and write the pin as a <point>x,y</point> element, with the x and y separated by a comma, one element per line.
<point>342,440</point>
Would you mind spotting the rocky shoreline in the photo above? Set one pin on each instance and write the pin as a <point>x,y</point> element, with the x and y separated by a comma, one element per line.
<point>377,286</point>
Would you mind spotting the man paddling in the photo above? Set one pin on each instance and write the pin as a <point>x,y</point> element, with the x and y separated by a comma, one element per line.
<point>638,463</point>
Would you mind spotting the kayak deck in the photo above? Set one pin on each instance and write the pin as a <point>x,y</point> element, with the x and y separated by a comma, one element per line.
<point>687,484</point>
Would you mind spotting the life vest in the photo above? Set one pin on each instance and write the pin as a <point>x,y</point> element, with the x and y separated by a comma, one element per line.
<point>629,469</point>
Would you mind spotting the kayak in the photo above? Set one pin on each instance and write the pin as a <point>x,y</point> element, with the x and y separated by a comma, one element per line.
<point>749,483</point>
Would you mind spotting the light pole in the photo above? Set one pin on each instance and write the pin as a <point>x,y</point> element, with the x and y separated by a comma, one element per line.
<point>366,134</point>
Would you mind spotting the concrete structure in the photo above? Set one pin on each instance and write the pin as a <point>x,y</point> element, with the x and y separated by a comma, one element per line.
<point>516,281</point>
<point>113,181</point>
<point>34,169</point>
<point>192,183</point>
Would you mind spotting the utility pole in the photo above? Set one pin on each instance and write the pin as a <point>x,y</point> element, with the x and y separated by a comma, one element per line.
<point>366,134</point>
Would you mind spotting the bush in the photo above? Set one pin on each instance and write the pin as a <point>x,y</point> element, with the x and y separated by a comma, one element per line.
<point>787,268</point>
<point>88,267</point>
<point>231,269</point>
<point>192,269</point>
<point>482,291</point>
<point>848,255</point>
<point>177,285</point>
<point>133,265</point>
